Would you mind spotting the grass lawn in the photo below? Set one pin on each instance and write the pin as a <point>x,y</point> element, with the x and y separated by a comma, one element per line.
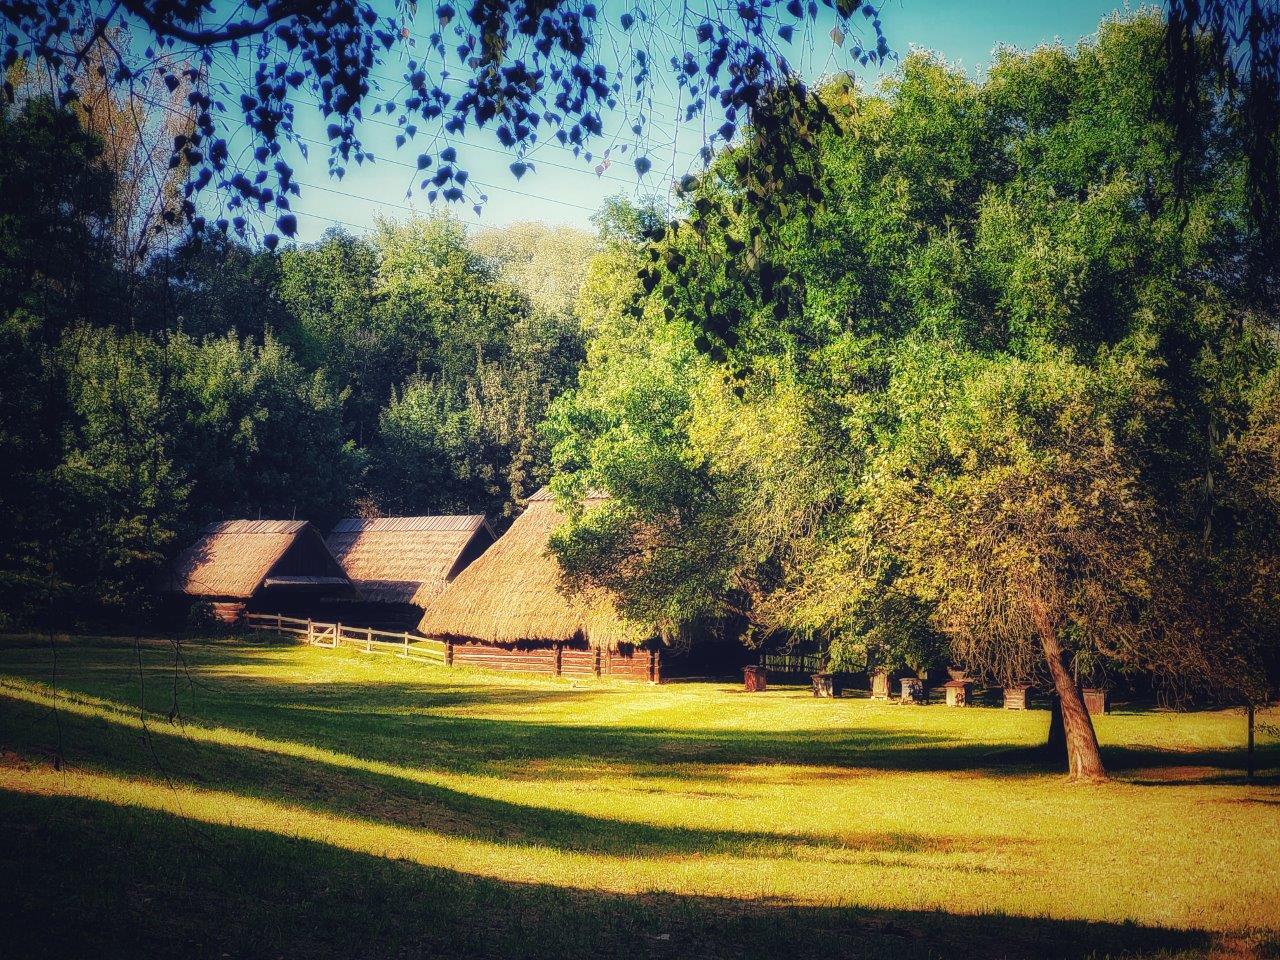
<point>311,802</point>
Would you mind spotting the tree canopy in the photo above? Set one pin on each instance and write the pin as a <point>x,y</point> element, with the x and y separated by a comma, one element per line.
<point>997,388</point>
<point>402,372</point>
<point>528,72</point>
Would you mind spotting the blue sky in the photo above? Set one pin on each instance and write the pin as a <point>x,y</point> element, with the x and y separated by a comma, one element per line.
<point>565,190</point>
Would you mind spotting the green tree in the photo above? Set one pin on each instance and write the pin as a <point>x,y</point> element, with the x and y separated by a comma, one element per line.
<point>55,218</point>
<point>120,483</point>
<point>213,285</point>
<point>545,263</point>
<point>993,386</point>
<point>339,323</point>
<point>260,435</point>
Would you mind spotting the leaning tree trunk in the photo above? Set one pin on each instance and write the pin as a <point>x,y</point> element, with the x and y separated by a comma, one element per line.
<point>1084,762</point>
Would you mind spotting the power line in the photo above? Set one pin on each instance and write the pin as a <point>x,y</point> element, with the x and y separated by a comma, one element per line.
<point>581,171</point>
<point>674,127</point>
<point>398,163</point>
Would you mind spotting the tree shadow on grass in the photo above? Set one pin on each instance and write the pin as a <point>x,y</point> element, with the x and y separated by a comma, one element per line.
<point>88,878</point>
<point>397,797</point>
<point>423,724</point>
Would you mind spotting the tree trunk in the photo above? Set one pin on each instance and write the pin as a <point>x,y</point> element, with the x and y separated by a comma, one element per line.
<point>1084,762</point>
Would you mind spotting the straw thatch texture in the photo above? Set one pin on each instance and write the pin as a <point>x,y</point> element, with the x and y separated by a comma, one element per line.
<point>514,593</point>
<point>407,559</point>
<point>234,558</point>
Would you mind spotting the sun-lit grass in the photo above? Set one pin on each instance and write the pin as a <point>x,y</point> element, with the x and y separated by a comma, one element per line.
<point>681,805</point>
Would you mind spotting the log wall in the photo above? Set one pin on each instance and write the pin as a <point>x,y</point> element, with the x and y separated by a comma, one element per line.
<point>540,660</point>
<point>636,664</point>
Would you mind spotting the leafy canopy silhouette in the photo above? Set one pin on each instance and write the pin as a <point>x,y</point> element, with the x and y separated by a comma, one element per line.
<point>529,70</point>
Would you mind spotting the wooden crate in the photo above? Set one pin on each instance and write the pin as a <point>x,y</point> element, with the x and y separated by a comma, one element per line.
<point>1096,701</point>
<point>880,688</point>
<point>913,691</point>
<point>1017,698</point>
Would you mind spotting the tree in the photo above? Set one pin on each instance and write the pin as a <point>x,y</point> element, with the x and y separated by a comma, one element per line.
<point>462,446</point>
<point>1231,49</point>
<point>1025,522</point>
<point>214,285</point>
<point>445,301</point>
<point>120,485</point>
<point>338,322</point>
<point>136,126</point>
<point>545,263</point>
<point>987,390</point>
<point>530,71</point>
<point>54,269</point>
<point>260,435</point>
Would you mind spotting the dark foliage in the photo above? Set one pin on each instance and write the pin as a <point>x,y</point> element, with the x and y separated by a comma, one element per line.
<point>1231,49</point>
<point>529,71</point>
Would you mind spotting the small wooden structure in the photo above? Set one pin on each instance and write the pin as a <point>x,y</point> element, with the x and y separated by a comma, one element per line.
<point>755,678</point>
<point>827,683</point>
<point>263,565</point>
<point>1017,698</point>
<point>880,685</point>
<point>913,691</point>
<point>401,564</point>
<point>959,692</point>
<point>511,610</point>
<point>1096,701</point>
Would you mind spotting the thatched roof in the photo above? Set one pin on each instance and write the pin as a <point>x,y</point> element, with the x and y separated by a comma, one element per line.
<point>236,557</point>
<point>407,559</point>
<point>514,593</point>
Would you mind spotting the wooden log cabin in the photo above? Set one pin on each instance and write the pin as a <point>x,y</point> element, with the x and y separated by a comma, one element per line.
<point>266,566</point>
<point>401,564</point>
<point>510,610</point>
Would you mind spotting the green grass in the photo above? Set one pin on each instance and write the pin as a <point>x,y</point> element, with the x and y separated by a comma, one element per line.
<point>280,800</point>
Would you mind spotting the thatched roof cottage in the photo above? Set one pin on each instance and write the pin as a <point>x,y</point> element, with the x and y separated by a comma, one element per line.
<point>270,565</point>
<point>401,564</point>
<point>511,610</point>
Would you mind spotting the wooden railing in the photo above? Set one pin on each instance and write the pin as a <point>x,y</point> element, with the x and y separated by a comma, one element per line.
<point>791,662</point>
<point>402,644</point>
<point>555,660</point>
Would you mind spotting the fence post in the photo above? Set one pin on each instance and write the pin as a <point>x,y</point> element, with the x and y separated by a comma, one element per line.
<point>448,652</point>
<point>406,644</point>
<point>337,635</point>
<point>310,631</point>
<point>559,657</point>
<point>279,623</point>
<point>368,639</point>
<point>598,664</point>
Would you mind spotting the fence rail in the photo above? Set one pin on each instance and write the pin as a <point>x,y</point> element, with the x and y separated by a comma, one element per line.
<point>557,660</point>
<point>402,644</point>
<point>792,662</point>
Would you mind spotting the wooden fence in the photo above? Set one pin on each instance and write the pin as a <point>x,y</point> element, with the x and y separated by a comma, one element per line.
<point>556,660</point>
<point>801,663</point>
<point>403,644</point>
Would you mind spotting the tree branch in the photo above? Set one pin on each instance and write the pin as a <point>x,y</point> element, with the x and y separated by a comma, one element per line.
<point>274,13</point>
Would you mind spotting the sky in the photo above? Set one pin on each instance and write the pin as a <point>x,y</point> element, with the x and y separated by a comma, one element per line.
<point>562,189</point>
